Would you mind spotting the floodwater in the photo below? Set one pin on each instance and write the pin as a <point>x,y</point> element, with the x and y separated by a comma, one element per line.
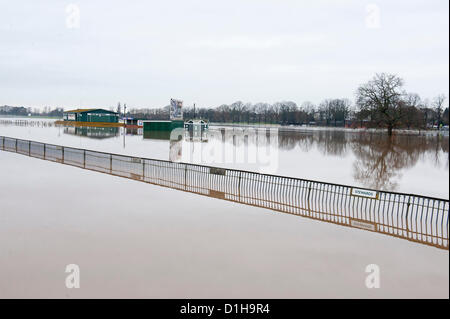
<point>138,240</point>
<point>405,163</point>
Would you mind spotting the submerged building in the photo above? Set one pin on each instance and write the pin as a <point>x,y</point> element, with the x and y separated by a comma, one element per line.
<point>133,122</point>
<point>91,116</point>
<point>159,125</point>
<point>196,125</point>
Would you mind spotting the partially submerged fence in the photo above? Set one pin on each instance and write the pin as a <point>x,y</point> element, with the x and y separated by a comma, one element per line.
<point>416,218</point>
<point>36,123</point>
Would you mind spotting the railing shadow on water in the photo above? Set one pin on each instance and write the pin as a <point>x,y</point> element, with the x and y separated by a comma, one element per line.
<point>415,218</point>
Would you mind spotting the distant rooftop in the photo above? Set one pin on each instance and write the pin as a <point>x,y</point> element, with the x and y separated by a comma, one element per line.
<point>86,110</point>
<point>79,110</point>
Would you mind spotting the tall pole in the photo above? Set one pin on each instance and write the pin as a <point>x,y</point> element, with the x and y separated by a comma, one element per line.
<point>124,127</point>
<point>124,133</point>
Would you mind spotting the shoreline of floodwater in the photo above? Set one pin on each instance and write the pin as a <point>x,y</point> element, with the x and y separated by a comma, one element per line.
<point>298,128</point>
<point>282,128</point>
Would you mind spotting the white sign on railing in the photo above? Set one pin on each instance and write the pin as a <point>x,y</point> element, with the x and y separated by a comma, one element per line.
<point>364,193</point>
<point>363,224</point>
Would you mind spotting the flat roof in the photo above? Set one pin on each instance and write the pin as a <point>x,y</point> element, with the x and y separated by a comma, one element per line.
<point>87,110</point>
<point>78,110</point>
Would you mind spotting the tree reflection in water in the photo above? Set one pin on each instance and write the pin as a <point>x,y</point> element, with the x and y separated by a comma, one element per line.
<point>379,159</point>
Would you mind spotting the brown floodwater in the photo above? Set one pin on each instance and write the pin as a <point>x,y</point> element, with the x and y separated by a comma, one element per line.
<point>132,239</point>
<point>415,164</point>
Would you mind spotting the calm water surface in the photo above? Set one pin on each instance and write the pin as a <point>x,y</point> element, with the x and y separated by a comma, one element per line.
<point>138,240</point>
<point>409,164</point>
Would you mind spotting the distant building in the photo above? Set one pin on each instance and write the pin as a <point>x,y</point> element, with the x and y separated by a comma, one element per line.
<point>91,115</point>
<point>196,125</point>
<point>131,121</point>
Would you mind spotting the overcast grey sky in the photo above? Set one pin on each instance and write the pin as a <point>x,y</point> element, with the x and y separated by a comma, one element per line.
<point>212,52</point>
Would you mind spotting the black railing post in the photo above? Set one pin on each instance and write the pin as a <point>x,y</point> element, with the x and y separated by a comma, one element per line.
<point>407,213</point>
<point>239,185</point>
<point>185,176</point>
<point>307,200</point>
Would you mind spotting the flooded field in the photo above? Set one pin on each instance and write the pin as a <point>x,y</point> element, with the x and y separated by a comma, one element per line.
<point>132,239</point>
<point>408,164</point>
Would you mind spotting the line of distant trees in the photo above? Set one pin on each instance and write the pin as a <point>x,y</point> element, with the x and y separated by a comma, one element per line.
<point>28,111</point>
<point>329,112</point>
<point>380,103</point>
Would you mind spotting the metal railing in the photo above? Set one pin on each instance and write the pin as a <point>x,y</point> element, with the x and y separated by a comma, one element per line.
<point>34,123</point>
<point>416,218</point>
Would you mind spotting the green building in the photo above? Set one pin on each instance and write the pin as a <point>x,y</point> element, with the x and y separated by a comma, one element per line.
<point>91,115</point>
<point>165,126</point>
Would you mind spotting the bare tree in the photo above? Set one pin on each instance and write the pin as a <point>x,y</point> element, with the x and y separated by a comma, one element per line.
<point>426,111</point>
<point>310,109</point>
<point>381,98</point>
<point>438,105</point>
<point>445,116</point>
<point>340,109</point>
<point>325,110</point>
<point>412,116</point>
